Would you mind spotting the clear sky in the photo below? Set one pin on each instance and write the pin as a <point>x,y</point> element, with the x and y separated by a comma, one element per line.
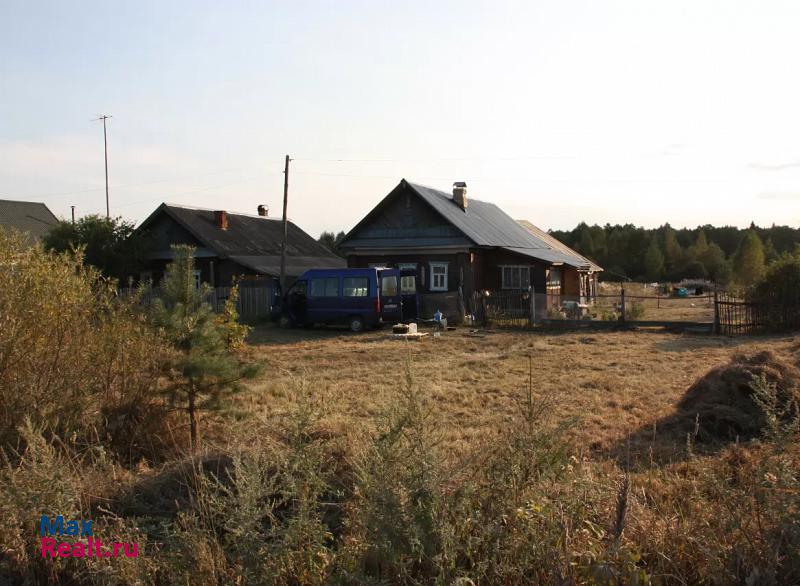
<point>558,111</point>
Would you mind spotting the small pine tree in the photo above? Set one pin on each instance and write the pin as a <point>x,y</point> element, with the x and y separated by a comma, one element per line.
<point>203,372</point>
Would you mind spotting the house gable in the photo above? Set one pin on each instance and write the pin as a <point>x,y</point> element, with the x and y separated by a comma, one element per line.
<point>404,219</point>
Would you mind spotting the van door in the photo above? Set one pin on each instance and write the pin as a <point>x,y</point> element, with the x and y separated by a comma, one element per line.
<point>295,302</point>
<point>323,300</point>
<point>390,296</point>
<point>409,300</point>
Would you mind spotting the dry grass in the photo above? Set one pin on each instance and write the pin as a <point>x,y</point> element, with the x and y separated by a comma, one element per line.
<point>615,383</point>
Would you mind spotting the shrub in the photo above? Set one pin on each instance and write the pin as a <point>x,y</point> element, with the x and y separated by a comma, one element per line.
<point>76,360</point>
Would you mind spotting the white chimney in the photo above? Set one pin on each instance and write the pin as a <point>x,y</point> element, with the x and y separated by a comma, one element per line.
<point>460,194</point>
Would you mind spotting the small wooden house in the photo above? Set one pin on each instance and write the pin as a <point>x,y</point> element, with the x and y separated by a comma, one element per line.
<point>460,246</point>
<point>31,218</point>
<point>230,245</point>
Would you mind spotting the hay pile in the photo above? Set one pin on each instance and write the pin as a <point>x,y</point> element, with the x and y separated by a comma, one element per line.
<point>722,399</point>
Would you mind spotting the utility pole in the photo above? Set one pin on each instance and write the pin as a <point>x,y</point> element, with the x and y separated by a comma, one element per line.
<point>105,117</point>
<point>73,214</point>
<point>285,223</point>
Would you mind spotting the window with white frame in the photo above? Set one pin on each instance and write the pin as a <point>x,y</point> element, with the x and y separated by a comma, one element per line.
<point>515,277</point>
<point>197,279</point>
<point>438,276</point>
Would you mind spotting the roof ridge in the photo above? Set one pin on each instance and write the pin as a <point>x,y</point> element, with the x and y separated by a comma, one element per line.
<point>450,195</point>
<point>197,208</point>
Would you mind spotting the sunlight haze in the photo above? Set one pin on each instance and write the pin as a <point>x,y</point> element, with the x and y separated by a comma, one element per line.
<point>559,112</point>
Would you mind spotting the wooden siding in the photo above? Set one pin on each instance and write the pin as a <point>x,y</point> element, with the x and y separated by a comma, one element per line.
<point>405,216</point>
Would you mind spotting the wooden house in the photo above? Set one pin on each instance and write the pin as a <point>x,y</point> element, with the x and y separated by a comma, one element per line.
<point>231,245</point>
<point>31,218</point>
<point>461,245</point>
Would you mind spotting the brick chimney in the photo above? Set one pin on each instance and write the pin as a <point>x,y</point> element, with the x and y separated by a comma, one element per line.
<point>460,194</point>
<point>221,219</point>
<point>263,210</point>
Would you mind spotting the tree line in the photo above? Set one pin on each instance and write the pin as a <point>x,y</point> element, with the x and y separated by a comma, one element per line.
<point>725,254</point>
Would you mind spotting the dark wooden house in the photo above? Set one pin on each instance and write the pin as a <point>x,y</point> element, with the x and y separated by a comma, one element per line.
<point>27,217</point>
<point>230,245</point>
<point>460,246</point>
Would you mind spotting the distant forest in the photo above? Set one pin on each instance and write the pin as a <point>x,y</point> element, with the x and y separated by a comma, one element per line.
<point>722,254</point>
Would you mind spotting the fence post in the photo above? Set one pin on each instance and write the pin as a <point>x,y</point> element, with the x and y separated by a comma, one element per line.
<point>715,329</point>
<point>622,303</point>
<point>532,320</point>
<point>484,318</point>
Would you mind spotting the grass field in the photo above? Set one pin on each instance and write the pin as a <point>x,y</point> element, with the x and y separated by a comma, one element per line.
<point>614,383</point>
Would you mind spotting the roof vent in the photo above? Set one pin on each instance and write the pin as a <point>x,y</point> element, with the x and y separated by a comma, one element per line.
<point>221,219</point>
<point>460,194</point>
<point>263,210</point>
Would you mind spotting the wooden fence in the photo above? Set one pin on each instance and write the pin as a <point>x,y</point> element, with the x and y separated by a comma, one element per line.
<point>736,315</point>
<point>723,313</point>
<point>253,303</point>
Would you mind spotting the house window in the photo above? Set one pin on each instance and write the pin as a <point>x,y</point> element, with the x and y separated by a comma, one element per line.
<point>325,287</point>
<point>407,266</point>
<point>197,279</point>
<point>355,286</point>
<point>515,277</point>
<point>439,276</point>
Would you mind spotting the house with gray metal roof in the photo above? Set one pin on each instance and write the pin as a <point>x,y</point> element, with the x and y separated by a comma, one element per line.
<point>230,245</point>
<point>461,245</point>
<point>28,217</point>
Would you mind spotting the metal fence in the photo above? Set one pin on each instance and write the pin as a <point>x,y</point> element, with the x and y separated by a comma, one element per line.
<point>253,302</point>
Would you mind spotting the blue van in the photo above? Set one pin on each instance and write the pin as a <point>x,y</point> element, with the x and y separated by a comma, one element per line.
<point>357,298</point>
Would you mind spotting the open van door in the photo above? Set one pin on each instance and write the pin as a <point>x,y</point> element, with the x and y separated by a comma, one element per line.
<point>389,291</point>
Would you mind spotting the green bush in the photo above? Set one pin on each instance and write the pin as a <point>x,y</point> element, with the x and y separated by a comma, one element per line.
<point>74,358</point>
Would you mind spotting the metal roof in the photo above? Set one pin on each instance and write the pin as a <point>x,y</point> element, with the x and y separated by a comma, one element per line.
<point>27,216</point>
<point>487,225</point>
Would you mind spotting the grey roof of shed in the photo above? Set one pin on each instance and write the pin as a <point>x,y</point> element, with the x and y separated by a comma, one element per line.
<point>485,224</point>
<point>252,241</point>
<point>27,216</point>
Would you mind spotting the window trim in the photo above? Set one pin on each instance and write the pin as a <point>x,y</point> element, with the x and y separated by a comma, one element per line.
<point>509,287</point>
<point>439,264</point>
<point>198,278</point>
<point>407,266</point>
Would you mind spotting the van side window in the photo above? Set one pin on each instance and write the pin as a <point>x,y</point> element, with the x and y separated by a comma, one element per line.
<point>325,287</point>
<point>408,284</point>
<point>389,286</point>
<point>355,286</point>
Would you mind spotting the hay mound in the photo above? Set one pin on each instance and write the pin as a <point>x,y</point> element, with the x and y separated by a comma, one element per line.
<point>722,399</point>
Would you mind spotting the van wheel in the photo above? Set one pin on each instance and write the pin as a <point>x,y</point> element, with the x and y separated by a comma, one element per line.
<point>285,322</point>
<point>356,324</point>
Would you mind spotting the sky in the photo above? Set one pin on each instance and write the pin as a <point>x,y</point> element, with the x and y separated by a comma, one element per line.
<point>559,112</point>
